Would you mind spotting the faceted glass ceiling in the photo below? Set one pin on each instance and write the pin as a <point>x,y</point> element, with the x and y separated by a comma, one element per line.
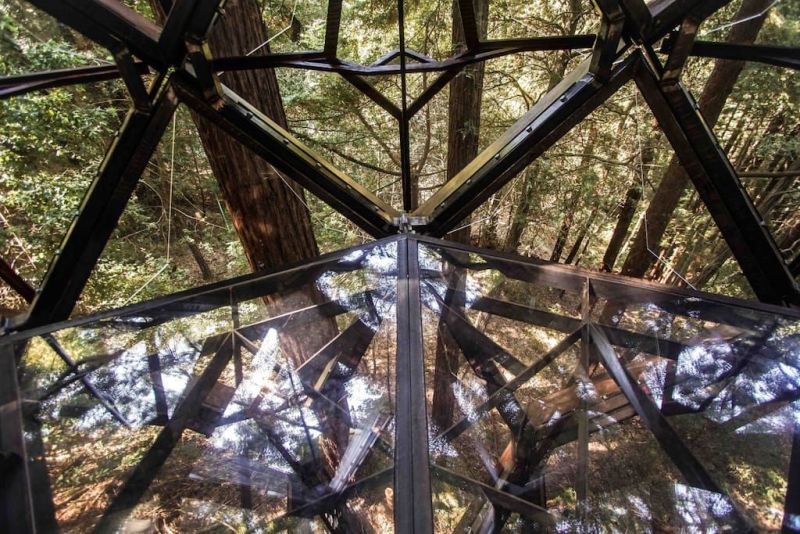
<point>413,380</point>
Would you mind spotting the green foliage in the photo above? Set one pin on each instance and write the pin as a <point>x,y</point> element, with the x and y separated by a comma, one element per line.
<point>52,144</point>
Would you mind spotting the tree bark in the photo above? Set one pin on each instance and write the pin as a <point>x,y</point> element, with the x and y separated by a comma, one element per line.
<point>519,215</point>
<point>464,107</point>
<point>675,180</point>
<point>626,213</point>
<point>566,226</point>
<point>573,252</point>
<point>267,210</point>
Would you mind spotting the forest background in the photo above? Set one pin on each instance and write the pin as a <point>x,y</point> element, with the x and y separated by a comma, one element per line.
<point>609,196</point>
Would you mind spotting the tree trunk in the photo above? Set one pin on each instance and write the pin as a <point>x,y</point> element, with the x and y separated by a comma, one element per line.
<point>463,132</point>
<point>267,210</point>
<point>519,215</point>
<point>675,181</point>
<point>626,212</point>
<point>566,226</point>
<point>573,252</point>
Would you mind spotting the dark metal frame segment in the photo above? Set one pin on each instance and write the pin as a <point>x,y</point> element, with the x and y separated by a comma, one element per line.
<point>180,45</point>
<point>210,296</point>
<point>412,505</point>
<point>26,503</point>
<point>651,416</point>
<point>718,185</point>
<point>124,32</point>
<point>110,24</point>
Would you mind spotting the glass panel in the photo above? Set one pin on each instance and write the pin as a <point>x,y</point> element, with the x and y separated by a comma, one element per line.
<point>265,405</point>
<point>728,380</point>
<point>489,430</point>
<point>507,396</point>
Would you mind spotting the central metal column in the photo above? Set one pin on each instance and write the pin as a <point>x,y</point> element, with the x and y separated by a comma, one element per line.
<point>412,484</point>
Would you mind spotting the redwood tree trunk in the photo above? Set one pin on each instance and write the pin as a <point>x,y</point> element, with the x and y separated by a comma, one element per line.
<point>520,213</point>
<point>266,209</point>
<point>675,181</point>
<point>464,108</point>
<point>272,222</point>
<point>628,209</point>
<point>626,212</point>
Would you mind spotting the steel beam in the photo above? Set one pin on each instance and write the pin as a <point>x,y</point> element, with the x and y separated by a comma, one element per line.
<point>101,209</point>
<point>668,14</point>
<point>218,294</point>
<point>614,288</point>
<point>791,510</point>
<point>25,83</point>
<point>498,497</point>
<point>148,467</point>
<point>607,44</point>
<point>109,23</point>
<point>187,21</point>
<point>368,90</point>
<point>466,10</point>
<point>512,385</point>
<point>717,184</point>
<point>15,281</point>
<point>315,60</point>
<point>619,337</point>
<point>288,155</point>
<point>472,338</point>
<point>550,119</point>
<point>432,90</point>
<point>132,79</point>
<point>412,488</point>
<point>682,40</point>
<point>333,21</point>
<point>779,56</point>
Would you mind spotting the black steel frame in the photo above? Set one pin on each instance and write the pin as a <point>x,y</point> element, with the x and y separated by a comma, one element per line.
<point>185,72</point>
<point>140,46</point>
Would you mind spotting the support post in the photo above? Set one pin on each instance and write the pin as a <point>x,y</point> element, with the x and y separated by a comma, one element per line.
<point>412,492</point>
<point>26,504</point>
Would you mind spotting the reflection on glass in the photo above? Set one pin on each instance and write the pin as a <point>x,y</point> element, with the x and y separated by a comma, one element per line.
<point>556,400</point>
<point>531,422</point>
<point>271,412</point>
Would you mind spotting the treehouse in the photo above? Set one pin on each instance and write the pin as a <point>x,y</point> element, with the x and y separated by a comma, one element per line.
<point>413,382</point>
